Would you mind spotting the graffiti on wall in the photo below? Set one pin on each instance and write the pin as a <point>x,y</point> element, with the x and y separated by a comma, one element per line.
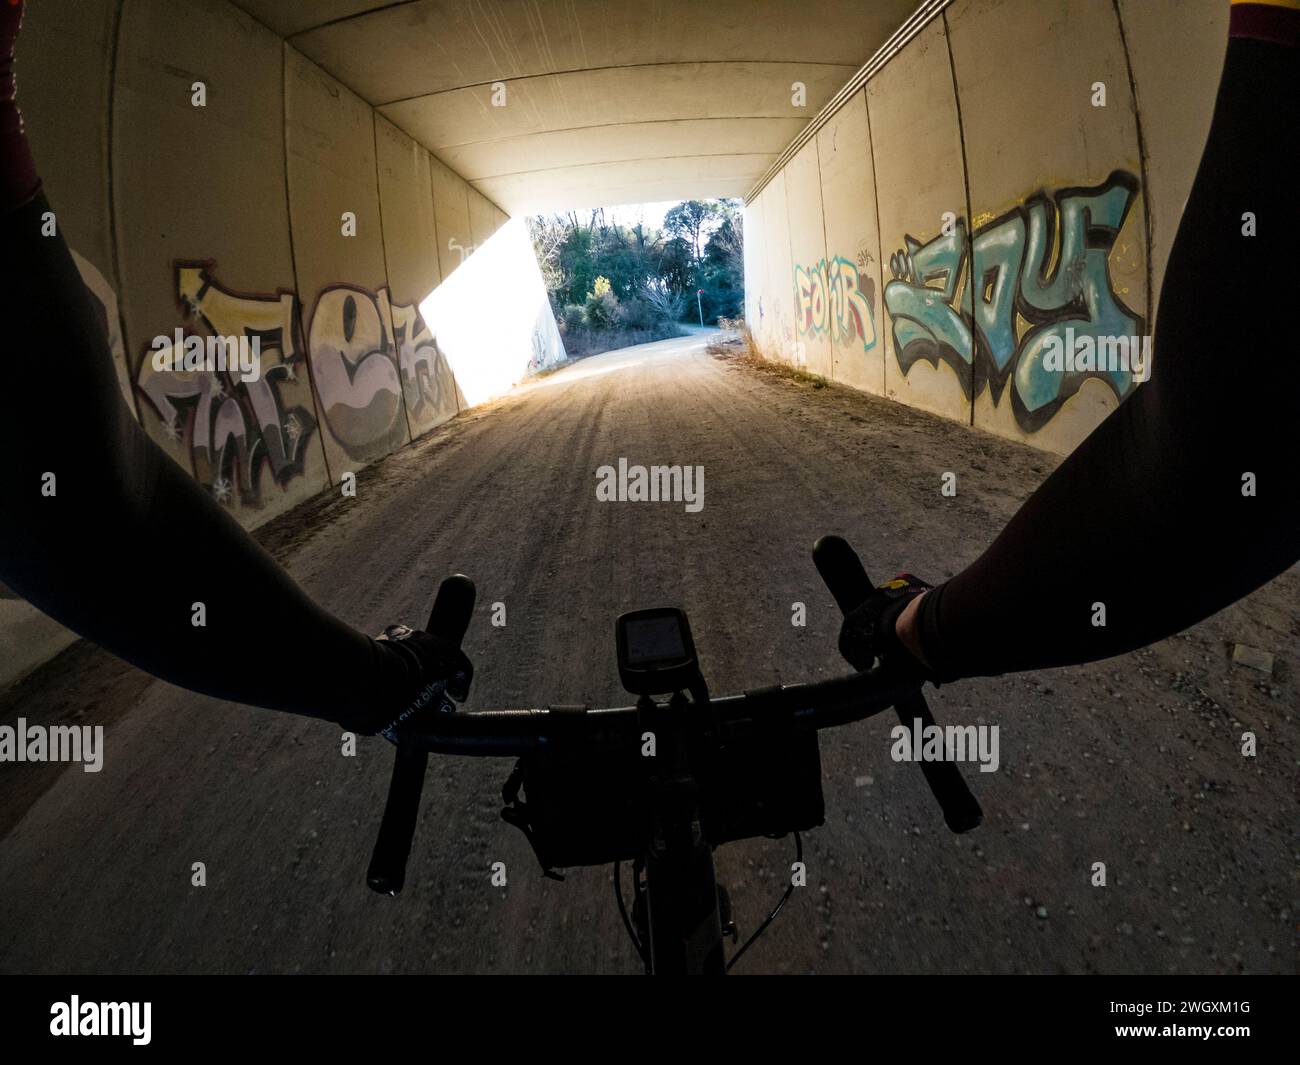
<point>546,342</point>
<point>367,356</point>
<point>234,431</point>
<point>374,363</point>
<point>354,367</point>
<point>428,386</point>
<point>832,297</point>
<point>1046,261</point>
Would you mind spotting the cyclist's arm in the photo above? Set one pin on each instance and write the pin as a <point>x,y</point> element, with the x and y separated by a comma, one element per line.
<point>122,543</point>
<point>128,542</point>
<point>1151,516</point>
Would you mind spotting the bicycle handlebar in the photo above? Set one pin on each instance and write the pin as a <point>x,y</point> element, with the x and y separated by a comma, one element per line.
<point>515,733</point>
<point>794,707</point>
<point>848,582</point>
<point>450,617</point>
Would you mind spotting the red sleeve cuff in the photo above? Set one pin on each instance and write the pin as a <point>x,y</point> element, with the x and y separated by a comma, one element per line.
<point>1265,22</point>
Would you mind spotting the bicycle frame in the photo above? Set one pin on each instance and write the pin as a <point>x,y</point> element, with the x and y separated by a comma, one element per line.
<point>685,933</point>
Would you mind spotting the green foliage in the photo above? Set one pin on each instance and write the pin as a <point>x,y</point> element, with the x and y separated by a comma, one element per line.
<point>602,275</point>
<point>687,221</point>
<point>602,310</point>
<point>722,272</point>
<point>572,319</point>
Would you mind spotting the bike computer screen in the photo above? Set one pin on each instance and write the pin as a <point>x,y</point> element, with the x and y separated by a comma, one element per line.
<point>655,651</point>
<point>654,639</point>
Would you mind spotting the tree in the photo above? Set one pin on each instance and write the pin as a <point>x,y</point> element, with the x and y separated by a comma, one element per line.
<point>651,274</point>
<point>688,220</point>
<point>726,246</point>
<point>549,235</point>
<point>667,302</point>
<point>601,307</point>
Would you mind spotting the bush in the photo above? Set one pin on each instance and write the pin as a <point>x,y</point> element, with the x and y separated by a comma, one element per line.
<point>594,341</point>
<point>602,305</point>
<point>573,319</point>
<point>636,313</point>
<point>667,304</point>
<point>604,322</point>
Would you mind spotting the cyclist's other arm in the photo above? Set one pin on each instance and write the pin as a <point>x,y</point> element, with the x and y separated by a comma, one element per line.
<point>1186,497</point>
<point>122,543</point>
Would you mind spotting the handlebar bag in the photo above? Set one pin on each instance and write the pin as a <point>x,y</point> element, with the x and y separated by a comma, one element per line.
<point>585,808</point>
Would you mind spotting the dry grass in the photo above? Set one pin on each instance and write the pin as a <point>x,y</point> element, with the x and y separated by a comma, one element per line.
<point>741,347</point>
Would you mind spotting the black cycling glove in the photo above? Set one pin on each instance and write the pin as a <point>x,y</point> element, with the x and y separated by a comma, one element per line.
<point>419,676</point>
<point>868,632</point>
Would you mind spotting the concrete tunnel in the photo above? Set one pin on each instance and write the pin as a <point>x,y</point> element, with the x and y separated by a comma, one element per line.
<point>863,137</point>
<point>933,193</point>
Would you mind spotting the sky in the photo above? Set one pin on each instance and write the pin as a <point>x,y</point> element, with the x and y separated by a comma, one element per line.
<point>651,214</point>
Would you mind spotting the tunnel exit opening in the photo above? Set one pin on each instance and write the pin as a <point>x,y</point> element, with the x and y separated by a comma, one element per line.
<point>624,275</point>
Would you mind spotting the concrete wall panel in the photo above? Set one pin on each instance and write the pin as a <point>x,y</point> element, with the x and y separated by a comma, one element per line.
<point>851,275</point>
<point>1079,190</point>
<point>406,206</point>
<point>411,255</point>
<point>610,98</point>
<point>626,182</point>
<point>921,193</point>
<point>763,326</point>
<point>410,49</point>
<point>481,82</point>
<point>67,117</point>
<point>1011,204</point>
<point>754,263</point>
<point>586,148</point>
<point>203,246</point>
<point>778,316</point>
<point>482,216</point>
<point>1176,50</point>
<point>809,293</point>
<point>330,143</point>
<point>451,209</point>
<point>292,17</point>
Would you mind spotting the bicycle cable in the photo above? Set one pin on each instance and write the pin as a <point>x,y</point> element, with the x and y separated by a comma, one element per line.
<point>627,923</point>
<point>798,857</point>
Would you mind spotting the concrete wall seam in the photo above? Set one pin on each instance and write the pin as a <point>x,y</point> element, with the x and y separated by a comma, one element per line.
<point>917,21</point>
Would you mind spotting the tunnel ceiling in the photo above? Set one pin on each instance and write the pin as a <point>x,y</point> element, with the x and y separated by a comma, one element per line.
<point>606,101</point>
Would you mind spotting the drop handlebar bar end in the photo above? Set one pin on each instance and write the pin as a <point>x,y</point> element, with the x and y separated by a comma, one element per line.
<point>848,582</point>
<point>450,617</point>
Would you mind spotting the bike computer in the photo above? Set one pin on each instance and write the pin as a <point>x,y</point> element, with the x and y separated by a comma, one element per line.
<point>656,654</point>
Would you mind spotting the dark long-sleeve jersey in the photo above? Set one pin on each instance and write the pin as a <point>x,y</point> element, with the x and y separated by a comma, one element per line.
<point>1187,497</point>
<point>1182,501</point>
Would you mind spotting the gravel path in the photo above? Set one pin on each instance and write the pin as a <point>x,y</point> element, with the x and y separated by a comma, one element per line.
<point>1134,762</point>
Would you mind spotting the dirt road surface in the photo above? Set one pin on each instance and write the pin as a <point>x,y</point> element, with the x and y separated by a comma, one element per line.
<point>1134,762</point>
